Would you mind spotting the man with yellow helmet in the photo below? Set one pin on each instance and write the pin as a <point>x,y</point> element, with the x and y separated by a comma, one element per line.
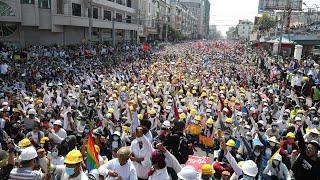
<point>207,172</point>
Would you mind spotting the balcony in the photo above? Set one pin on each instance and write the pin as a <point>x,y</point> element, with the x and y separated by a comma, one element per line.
<point>67,20</point>
<point>114,5</point>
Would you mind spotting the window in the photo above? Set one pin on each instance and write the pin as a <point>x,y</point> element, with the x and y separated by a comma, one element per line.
<point>6,29</point>
<point>59,6</point>
<point>128,3</point>
<point>107,15</point>
<point>119,1</point>
<point>128,19</point>
<point>76,9</point>
<point>6,10</point>
<point>95,13</point>
<point>27,1</point>
<point>45,4</point>
<point>118,17</point>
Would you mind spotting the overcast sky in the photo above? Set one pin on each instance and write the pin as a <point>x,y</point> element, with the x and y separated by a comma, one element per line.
<point>225,13</point>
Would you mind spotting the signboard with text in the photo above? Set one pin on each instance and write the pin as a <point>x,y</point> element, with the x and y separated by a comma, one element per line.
<point>197,162</point>
<point>271,5</point>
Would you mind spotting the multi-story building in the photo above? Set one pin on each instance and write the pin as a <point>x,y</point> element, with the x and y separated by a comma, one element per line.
<point>271,5</point>
<point>244,29</point>
<point>183,20</point>
<point>28,22</point>
<point>201,9</point>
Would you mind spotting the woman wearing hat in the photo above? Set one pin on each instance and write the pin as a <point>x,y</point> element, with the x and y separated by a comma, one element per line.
<point>276,169</point>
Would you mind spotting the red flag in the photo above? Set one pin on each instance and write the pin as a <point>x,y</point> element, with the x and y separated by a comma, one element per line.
<point>146,46</point>
<point>175,110</point>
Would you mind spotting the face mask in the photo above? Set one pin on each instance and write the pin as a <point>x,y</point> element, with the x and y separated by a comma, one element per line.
<point>209,126</point>
<point>227,136</point>
<point>69,171</point>
<point>115,138</point>
<point>229,148</point>
<point>256,153</point>
<point>196,122</point>
<point>249,138</point>
<point>54,153</point>
<point>272,144</point>
<point>274,128</point>
<point>268,117</point>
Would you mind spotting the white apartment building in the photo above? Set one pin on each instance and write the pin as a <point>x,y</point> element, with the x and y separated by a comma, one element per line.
<point>244,29</point>
<point>63,22</point>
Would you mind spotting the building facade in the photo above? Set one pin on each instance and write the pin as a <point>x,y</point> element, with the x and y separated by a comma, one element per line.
<point>201,9</point>
<point>244,29</point>
<point>63,22</point>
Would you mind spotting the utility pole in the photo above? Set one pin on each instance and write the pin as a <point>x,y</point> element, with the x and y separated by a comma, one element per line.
<point>166,23</point>
<point>113,33</point>
<point>90,23</point>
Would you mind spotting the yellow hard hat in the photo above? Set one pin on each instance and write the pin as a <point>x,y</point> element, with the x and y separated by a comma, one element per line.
<point>182,116</point>
<point>193,111</point>
<point>290,135</point>
<point>43,140</point>
<point>207,169</point>
<point>197,118</point>
<point>222,88</point>
<point>114,95</point>
<point>233,99</point>
<point>24,143</point>
<point>181,91</point>
<point>110,110</point>
<point>212,98</point>
<point>300,111</point>
<point>152,112</point>
<point>140,116</point>
<point>73,157</point>
<point>156,100</point>
<point>193,91</point>
<point>229,120</point>
<point>39,101</point>
<point>210,121</point>
<point>305,78</point>
<point>188,94</point>
<point>242,94</point>
<point>214,95</point>
<point>231,143</point>
<point>203,94</point>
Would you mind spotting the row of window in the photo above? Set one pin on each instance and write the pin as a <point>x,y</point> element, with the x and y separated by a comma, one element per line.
<point>42,3</point>
<point>107,15</point>
<point>47,3</point>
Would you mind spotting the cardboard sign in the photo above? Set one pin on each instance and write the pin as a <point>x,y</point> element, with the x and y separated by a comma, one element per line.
<point>197,162</point>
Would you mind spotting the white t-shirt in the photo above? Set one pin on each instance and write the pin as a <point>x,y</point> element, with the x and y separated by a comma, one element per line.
<point>126,172</point>
<point>4,68</point>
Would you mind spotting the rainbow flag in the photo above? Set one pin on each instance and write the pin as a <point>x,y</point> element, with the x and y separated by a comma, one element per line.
<point>92,154</point>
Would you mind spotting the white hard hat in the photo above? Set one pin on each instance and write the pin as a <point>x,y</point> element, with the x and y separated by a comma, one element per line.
<point>57,122</point>
<point>5,104</point>
<point>196,103</point>
<point>278,157</point>
<point>169,100</point>
<point>297,118</point>
<point>166,124</point>
<point>188,173</point>
<point>168,107</point>
<point>180,110</point>
<point>94,174</point>
<point>250,168</point>
<point>117,133</point>
<point>32,111</point>
<point>28,154</point>
<point>208,110</point>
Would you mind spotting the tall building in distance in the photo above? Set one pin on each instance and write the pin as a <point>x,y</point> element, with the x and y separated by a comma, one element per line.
<point>271,5</point>
<point>201,9</point>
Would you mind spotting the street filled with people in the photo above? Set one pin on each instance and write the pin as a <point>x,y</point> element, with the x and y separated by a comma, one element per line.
<point>199,110</point>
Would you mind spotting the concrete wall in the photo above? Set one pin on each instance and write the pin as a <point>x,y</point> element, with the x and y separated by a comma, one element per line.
<point>45,19</point>
<point>30,14</point>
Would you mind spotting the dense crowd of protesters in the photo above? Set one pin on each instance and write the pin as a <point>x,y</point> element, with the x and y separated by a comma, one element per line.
<point>147,110</point>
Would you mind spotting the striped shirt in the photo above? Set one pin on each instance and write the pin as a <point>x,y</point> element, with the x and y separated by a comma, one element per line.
<point>25,174</point>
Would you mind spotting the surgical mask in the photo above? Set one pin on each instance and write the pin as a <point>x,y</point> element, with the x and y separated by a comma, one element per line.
<point>268,117</point>
<point>115,138</point>
<point>196,122</point>
<point>229,148</point>
<point>209,126</point>
<point>272,144</point>
<point>54,153</point>
<point>69,171</point>
<point>249,138</point>
<point>257,153</point>
<point>227,136</point>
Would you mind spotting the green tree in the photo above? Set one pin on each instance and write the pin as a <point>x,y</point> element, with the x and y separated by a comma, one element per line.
<point>266,22</point>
